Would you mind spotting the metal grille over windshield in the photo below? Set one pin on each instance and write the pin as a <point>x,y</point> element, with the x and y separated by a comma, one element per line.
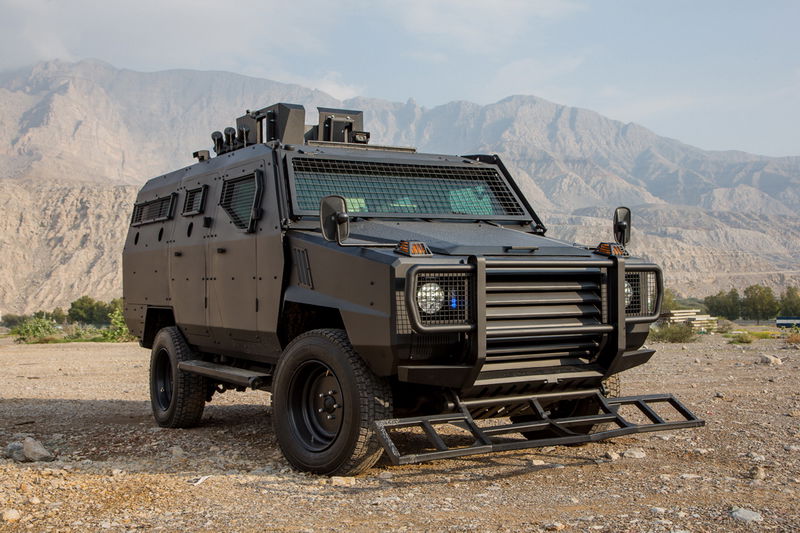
<point>373,188</point>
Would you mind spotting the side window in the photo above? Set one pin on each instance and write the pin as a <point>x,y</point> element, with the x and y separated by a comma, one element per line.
<point>195,201</point>
<point>156,210</point>
<point>241,198</point>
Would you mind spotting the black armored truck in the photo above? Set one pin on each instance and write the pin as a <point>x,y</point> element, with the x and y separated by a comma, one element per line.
<point>387,299</point>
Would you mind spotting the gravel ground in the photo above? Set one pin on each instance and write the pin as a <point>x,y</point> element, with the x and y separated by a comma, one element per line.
<point>115,470</point>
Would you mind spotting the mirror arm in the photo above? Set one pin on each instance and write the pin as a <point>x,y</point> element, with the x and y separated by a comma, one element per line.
<point>344,217</point>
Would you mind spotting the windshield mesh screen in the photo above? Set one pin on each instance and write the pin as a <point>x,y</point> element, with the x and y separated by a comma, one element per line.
<point>386,188</point>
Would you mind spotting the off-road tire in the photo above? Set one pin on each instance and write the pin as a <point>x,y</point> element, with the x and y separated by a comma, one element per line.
<point>182,405</point>
<point>326,354</point>
<point>610,388</point>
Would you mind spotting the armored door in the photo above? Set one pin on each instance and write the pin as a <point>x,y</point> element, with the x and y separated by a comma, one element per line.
<point>231,256</point>
<point>187,259</point>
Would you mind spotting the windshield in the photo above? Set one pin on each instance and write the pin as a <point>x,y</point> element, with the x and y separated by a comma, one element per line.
<point>381,189</point>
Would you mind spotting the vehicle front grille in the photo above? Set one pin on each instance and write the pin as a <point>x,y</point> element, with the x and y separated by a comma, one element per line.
<point>543,325</point>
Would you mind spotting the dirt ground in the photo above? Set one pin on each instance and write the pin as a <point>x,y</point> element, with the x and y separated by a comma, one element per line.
<point>115,470</point>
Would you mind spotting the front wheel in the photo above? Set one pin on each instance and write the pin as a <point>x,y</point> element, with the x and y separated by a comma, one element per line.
<point>325,400</point>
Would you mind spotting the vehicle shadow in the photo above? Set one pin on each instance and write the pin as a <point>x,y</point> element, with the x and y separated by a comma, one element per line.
<point>231,437</point>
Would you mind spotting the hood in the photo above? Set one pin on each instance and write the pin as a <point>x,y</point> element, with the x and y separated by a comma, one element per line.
<point>469,238</point>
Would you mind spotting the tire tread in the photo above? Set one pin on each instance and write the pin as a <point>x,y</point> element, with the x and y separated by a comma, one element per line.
<point>375,398</point>
<point>189,390</point>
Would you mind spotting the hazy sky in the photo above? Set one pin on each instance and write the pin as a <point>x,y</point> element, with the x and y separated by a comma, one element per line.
<point>716,74</point>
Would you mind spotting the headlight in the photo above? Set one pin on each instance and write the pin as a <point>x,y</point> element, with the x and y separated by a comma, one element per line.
<point>430,298</point>
<point>641,293</point>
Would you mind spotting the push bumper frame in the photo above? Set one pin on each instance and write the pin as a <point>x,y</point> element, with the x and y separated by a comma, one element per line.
<point>486,437</point>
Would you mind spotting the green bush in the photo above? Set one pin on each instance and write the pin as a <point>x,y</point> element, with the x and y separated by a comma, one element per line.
<point>118,330</point>
<point>672,333</point>
<point>81,332</point>
<point>743,337</point>
<point>33,329</point>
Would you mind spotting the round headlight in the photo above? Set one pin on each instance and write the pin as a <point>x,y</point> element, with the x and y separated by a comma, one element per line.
<point>628,293</point>
<point>430,298</point>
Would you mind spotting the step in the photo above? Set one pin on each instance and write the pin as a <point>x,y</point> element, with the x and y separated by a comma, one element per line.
<point>225,373</point>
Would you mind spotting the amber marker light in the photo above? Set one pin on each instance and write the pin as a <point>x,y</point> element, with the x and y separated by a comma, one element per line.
<point>611,248</point>
<point>413,249</point>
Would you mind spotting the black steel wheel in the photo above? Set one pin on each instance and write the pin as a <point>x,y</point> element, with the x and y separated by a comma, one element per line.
<point>176,397</point>
<point>325,400</point>
<point>315,405</point>
<point>610,388</point>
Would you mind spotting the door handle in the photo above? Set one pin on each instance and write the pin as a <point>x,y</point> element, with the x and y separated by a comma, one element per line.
<point>221,250</point>
<point>178,254</point>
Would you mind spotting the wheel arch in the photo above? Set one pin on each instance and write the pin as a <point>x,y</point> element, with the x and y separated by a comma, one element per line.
<point>368,329</point>
<point>156,319</point>
<point>299,317</point>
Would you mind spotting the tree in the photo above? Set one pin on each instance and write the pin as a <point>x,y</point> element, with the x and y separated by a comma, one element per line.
<point>759,303</point>
<point>87,310</point>
<point>668,302</point>
<point>790,302</point>
<point>11,320</point>
<point>724,304</point>
<point>59,316</point>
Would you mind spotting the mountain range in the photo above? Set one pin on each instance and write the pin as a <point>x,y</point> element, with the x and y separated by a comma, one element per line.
<point>78,139</point>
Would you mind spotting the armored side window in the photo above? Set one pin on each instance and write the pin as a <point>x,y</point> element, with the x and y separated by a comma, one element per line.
<point>156,210</point>
<point>241,198</point>
<point>195,201</point>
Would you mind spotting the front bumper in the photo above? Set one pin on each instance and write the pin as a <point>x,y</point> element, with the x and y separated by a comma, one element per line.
<point>539,324</point>
<point>651,408</point>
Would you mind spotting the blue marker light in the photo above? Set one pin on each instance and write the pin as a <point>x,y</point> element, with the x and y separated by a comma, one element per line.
<point>453,303</point>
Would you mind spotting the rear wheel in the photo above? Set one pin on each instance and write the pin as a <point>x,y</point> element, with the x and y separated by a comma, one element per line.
<point>325,400</point>
<point>176,397</point>
<point>610,388</point>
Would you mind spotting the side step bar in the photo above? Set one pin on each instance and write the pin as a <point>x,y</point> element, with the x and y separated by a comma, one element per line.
<point>227,374</point>
<point>485,437</point>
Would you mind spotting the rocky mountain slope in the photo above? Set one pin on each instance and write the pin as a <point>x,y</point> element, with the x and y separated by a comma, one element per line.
<point>77,138</point>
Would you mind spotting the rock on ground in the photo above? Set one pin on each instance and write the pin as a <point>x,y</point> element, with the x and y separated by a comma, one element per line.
<point>11,515</point>
<point>34,451</point>
<point>634,453</point>
<point>746,515</point>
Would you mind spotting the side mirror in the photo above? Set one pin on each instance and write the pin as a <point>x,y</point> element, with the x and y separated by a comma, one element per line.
<point>333,218</point>
<point>622,225</point>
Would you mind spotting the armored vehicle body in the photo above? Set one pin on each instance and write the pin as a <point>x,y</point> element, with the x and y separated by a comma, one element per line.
<point>375,290</point>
